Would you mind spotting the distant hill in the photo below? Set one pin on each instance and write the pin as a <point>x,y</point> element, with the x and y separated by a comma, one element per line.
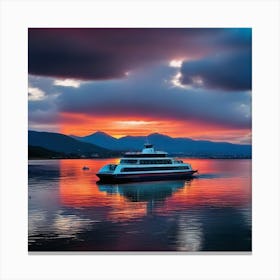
<point>101,139</point>
<point>35,152</point>
<point>56,142</point>
<point>175,146</point>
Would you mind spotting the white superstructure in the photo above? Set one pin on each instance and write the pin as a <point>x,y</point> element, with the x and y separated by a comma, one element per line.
<point>146,165</point>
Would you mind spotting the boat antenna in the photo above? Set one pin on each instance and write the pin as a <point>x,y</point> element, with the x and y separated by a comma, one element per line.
<point>147,140</point>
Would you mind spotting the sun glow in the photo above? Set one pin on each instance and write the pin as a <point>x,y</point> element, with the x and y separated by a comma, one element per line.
<point>82,125</point>
<point>135,123</point>
<point>175,63</point>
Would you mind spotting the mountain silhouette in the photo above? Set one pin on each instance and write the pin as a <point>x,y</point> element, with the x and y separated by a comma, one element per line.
<point>60,143</point>
<point>178,146</point>
<point>99,138</point>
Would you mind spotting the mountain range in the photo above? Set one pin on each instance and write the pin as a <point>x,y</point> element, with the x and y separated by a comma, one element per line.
<point>100,144</point>
<point>175,146</point>
<point>51,143</point>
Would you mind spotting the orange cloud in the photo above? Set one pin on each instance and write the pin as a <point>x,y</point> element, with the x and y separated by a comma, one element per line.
<point>82,124</point>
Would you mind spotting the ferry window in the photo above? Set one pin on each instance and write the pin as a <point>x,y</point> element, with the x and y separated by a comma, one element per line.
<point>156,168</point>
<point>146,161</point>
<point>155,161</point>
<point>131,161</point>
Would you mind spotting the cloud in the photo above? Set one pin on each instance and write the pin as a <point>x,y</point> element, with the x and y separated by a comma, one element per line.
<point>67,83</point>
<point>35,94</point>
<point>175,63</point>
<point>100,54</point>
<point>42,103</point>
<point>227,71</point>
<point>145,95</point>
<point>192,76</point>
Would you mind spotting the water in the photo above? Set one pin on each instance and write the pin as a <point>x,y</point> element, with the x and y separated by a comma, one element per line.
<point>68,211</point>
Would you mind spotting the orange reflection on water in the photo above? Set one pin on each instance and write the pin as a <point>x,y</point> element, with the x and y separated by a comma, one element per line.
<point>128,211</point>
<point>78,189</point>
<point>211,193</point>
<point>221,183</point>
<point>77,186</point>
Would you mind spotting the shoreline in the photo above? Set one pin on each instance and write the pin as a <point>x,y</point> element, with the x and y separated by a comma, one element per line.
<point>87,158</point>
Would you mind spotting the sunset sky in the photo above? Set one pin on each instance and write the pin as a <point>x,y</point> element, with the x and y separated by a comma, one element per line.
<point>183,82</point>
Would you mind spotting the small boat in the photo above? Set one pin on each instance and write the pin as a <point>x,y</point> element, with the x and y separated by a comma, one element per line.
<point>146,166</point>
<point>85,168</point>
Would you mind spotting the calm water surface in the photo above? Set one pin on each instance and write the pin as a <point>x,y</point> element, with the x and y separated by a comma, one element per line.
<point>69,211</point>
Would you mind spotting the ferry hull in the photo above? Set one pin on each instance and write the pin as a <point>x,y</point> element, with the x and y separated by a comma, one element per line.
<point>124,178</point>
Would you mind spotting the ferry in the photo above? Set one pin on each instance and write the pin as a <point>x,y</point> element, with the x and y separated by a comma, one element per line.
<point>145,166</point>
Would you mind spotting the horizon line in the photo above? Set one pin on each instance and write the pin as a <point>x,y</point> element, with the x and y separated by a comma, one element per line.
<point>157,133</point>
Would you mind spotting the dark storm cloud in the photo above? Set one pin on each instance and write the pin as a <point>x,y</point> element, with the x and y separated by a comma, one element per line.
<point>146,96</point>
<point>92,54</point>
<point>220,58</point>
<point>228,71</point>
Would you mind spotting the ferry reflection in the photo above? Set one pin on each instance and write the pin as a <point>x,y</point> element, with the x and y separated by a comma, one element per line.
<point>153,193</point>
<point>145,191</point>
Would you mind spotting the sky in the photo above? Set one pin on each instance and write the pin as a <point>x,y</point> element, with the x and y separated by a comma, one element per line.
<point>183,82</point>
